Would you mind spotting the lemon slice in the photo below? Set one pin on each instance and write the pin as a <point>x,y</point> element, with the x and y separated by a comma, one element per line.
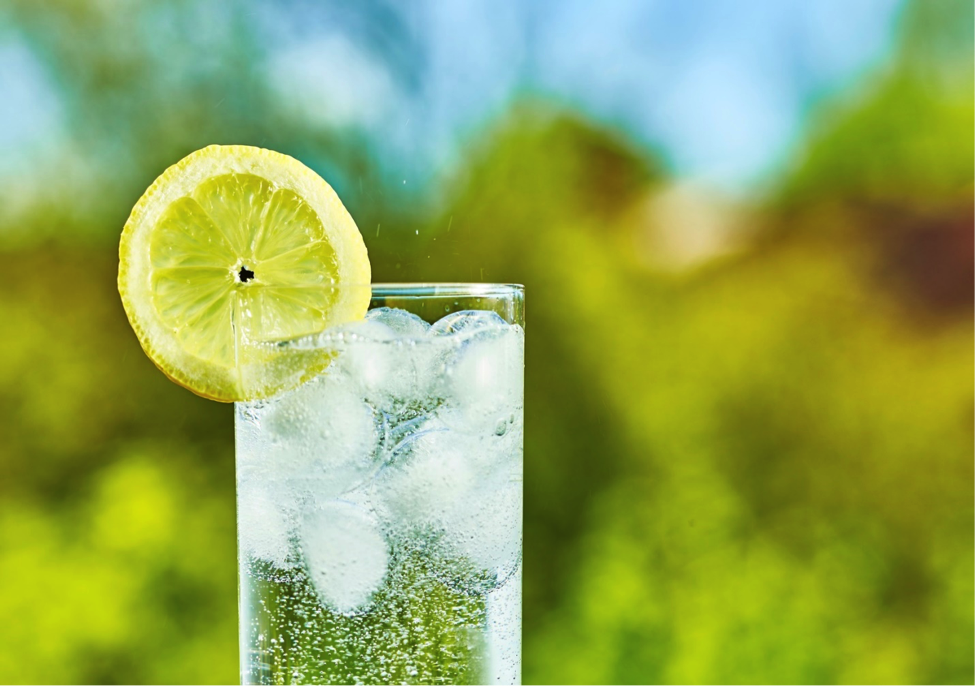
<point>232,247</point>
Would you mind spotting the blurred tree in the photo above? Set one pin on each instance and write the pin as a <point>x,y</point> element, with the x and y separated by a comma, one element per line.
<point>890,161</point>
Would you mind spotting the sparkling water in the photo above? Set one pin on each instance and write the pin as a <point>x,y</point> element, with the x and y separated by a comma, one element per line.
<point>380,508</point>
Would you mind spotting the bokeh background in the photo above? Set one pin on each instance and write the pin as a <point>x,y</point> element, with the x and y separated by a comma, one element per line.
<point>746,233</point>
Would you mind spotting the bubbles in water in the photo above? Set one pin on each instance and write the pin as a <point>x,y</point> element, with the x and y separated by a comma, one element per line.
<point>503,644</point>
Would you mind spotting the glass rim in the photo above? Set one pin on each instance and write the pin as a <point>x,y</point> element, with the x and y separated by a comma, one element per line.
<point>445,289</point>
<point>511,294</point>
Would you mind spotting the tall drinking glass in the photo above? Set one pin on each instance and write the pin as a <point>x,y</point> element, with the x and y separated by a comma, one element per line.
<point>379,504</point>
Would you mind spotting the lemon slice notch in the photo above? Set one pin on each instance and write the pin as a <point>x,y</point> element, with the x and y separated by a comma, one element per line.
<point>232,247</point>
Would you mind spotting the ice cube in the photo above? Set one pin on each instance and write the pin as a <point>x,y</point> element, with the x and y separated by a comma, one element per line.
<point>486,527</point>
<point>492,443</point>
<point>389,370</point>
<point>252,443</point>
<point>345,554</point>
<point>430,472</point>
<point>368,329</point>
<point>467,322</point>
<point>401,322</point>
<point>322,434</point>
<point>266,519</point>
<point>484,377</point>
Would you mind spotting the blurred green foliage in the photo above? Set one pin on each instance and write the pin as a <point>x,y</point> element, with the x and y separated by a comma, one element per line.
<point>755,468</point>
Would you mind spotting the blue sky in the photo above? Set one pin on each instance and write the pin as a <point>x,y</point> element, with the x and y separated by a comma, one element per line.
<point>719,88</point>
<point>30,114</point>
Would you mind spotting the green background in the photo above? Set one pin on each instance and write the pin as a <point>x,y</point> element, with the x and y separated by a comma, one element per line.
<point>748,451</point>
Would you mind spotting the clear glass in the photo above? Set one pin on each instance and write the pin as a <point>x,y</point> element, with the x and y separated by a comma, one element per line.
<point>379,504</point>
